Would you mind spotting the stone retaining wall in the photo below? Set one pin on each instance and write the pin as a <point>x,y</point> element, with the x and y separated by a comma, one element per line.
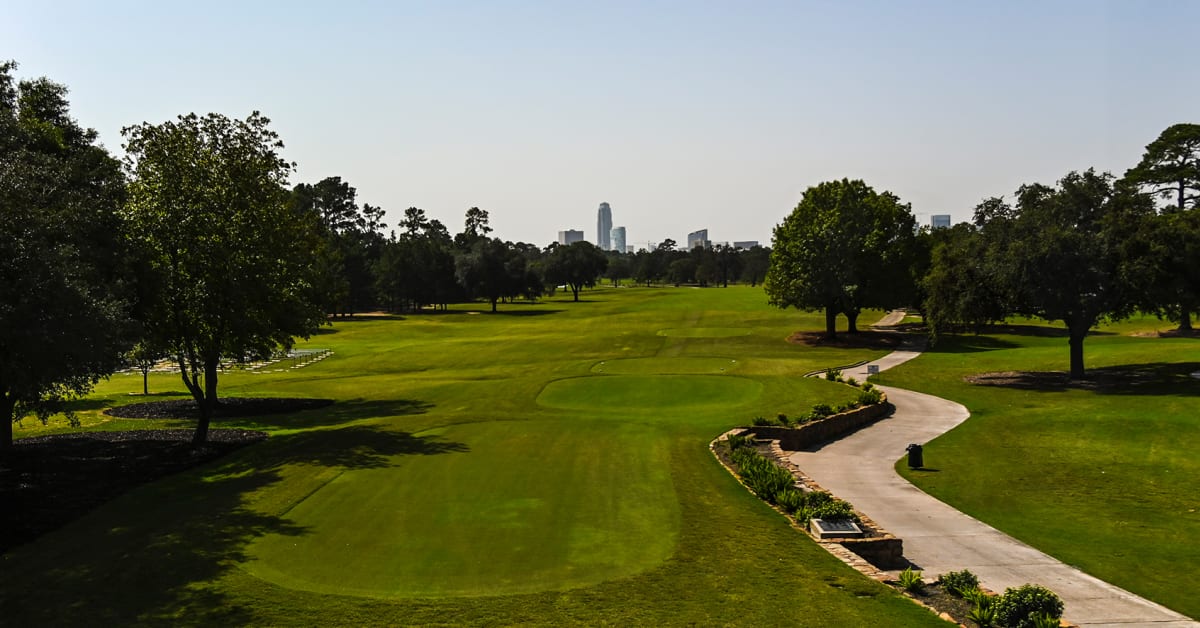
<point>824,430</point>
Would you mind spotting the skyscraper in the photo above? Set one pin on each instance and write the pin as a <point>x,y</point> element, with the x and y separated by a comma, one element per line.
<point>698,238</point>
<point>603,226</point>
<point>940,221</point>
<point>617,239</point>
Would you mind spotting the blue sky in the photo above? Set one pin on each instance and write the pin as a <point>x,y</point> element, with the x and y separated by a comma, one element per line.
<point>681,115</point>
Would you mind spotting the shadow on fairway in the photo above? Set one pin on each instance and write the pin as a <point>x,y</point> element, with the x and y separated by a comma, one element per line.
<point>351,447</point>
<point>147,559</point>
<point>970,344</point>
<point>342,412</point>
<point>156,556</point>
<point>1157,378</point>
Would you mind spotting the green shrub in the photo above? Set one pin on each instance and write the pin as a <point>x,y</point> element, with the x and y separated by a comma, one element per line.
<point>833,375</point>
<point>1041,620</point>
<point>760,421</point>
<point>959,582</point>
<point>763,476</point>
<point>852,381</point>
<point>911,580</point>
<point>868,386</point>
<point>791,500</point>
<point>833,510</point>
<point>738,441</point>
<point>1018,607</point>
<point>821,410</point>
<point>978,597</point>
<point>783,419</point>
<point>984,615</point>
<point>869,397</point>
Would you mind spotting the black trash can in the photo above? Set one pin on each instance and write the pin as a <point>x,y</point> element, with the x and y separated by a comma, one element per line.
<point>916,457</point>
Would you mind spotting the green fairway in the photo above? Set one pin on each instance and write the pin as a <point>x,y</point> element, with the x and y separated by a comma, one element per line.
<point>1102,479</point>
<point>544,465</point>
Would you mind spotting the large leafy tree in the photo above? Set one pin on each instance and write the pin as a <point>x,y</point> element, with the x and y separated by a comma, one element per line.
<point>63,313</point>
<point>1170,170</point>
<point>577,265</point>
<point>843,248</point>
<point>209,208</point>
<point>1058,252</point>
<point>493,269</point>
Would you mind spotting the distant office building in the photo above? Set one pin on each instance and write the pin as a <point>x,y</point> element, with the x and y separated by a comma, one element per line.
<point>745,244</point>
<point>940,221</point>
<point>569,236</point>
<point>603,226</point>
<point>698,238</point>
<point>630,249</point>
<point>617,238</point>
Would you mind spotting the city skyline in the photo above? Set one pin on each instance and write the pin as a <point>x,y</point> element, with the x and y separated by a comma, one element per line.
<point>713,115</point>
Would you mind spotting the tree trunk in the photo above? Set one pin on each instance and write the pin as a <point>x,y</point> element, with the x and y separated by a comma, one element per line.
<point>1185,318</point>
<point>145,382</point>
<point>852,321</point>
<point>1076,341</point>
<point>831,322</point>
<point>575,290</point>
<point>7,405</point>
<point>209,403</point>
<point>493,306</point>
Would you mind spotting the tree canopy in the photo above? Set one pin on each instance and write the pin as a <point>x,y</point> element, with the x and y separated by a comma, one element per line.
<point>843,248</point>
<point>578,265</point>
<point>229,259</point>
<point>64,318</point>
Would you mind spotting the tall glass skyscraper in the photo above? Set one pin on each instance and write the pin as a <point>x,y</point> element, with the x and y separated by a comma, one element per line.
<point>603,227</point>
<point>617,239</point>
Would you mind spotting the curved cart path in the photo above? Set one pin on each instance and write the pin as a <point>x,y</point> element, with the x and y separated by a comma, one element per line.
<point>938,538</point>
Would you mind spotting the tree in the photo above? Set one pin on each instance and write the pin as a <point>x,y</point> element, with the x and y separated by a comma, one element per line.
<point>961,286</point>
<point>1170,169</point>
<point>352,242</point>
<point>755,262</point>
<point>475,228</point>
<point>64,315</point>
<point>843,248</point>
<point>144,356</point>
<point>1058,252</point>
<point>578,265</point>
<point>484,270</point>
<point>209,207</point>
<point>619,267</point>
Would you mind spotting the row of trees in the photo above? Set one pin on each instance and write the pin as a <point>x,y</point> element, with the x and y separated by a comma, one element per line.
<point>195,249</point>
<point>421,265</point>
<point>1090,248</point>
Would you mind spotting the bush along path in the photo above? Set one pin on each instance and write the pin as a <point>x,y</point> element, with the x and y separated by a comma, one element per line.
<point>859,468</point>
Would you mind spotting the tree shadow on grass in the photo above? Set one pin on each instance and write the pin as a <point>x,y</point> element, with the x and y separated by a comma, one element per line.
<point>350,447</point>
<point>341,412</point>
<point>156,556</point>
<point>1157,378</point>
<point>147,558</point>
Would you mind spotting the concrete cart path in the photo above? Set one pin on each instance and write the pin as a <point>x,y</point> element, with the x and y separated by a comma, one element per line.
<point>938,538</point>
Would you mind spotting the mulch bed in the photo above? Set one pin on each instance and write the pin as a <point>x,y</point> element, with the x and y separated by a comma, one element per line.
<point>866,339</point>
<point>937,598</point>
<point>230,407</point>
<point>48,481</point>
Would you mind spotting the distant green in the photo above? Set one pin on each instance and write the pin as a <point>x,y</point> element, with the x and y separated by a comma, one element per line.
<point>544,465</point>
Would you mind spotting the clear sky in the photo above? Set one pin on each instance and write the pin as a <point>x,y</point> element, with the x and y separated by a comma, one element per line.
<point>681,115</point>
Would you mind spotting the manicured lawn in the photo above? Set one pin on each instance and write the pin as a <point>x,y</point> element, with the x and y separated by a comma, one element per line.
<point>1105,480</point>
<point>544,465</point>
